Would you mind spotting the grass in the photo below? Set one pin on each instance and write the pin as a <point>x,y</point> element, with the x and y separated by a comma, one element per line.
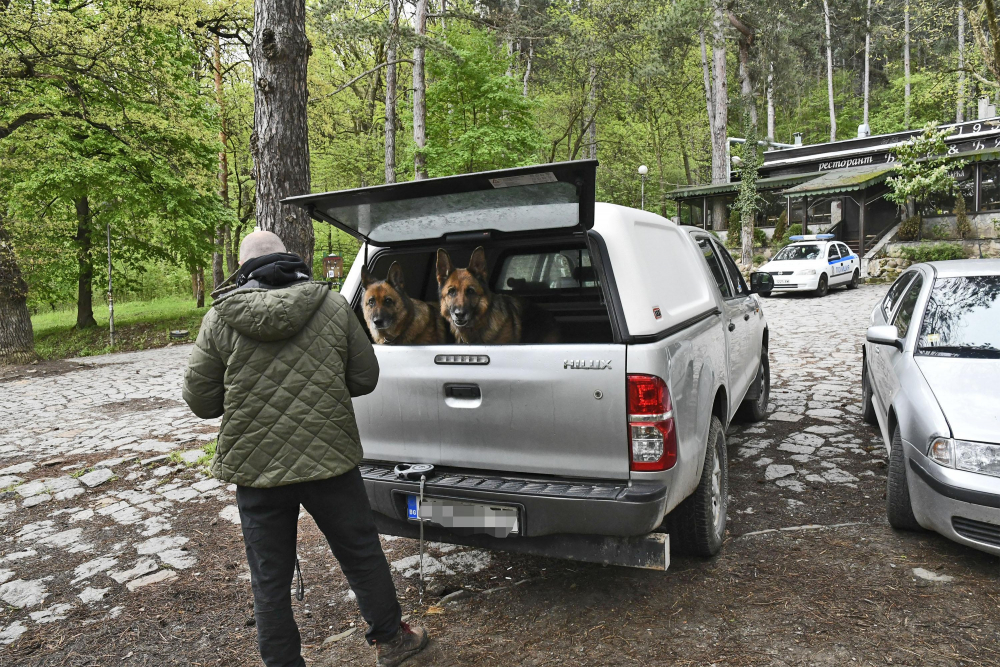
<point>139,325</point>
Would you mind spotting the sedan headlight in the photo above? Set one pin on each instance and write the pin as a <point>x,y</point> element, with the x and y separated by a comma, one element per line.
<point>806,272</point>
<point>975,457</point>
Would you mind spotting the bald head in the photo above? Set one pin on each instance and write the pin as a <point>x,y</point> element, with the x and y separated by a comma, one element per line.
<point>258,244</point>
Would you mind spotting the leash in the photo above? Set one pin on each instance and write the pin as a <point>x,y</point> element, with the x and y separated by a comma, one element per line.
<point>300,593</point>
<point>423,478</point>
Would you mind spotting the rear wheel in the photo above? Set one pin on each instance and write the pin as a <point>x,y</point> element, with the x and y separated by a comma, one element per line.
<point>897,497</point>
<point>755,409</point>
<point>855,279</point>
<point>823,287</point>
<point>867,400</point>
<point>697,526</point>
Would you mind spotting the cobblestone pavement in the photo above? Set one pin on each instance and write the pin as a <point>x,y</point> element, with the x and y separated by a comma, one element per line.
<point>109,522</point>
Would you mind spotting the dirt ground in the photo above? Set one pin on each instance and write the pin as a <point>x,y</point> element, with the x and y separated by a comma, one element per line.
<point>810,574</point>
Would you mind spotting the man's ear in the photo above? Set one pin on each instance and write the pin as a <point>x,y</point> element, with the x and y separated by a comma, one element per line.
<point>395,277</point>
<point>477,263</point>
<point>444,266</point>
<point>366,278</point>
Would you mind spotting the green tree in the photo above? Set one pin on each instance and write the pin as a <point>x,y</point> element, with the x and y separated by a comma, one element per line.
<point>922,168</point>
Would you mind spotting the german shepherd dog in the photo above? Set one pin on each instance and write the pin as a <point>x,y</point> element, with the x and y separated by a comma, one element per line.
<point>477,315</point>
<point>393,318</point>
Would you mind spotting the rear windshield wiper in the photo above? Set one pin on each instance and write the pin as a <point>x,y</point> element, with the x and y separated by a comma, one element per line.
<point>960,351</point>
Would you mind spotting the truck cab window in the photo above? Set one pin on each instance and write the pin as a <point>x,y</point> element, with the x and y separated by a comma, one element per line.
<point>542,272</point>
<point>735,276</point>
<point>712,257</point>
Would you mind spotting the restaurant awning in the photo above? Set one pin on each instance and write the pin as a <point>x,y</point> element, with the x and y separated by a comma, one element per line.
<point>772,183</point>
<point>841,180</point>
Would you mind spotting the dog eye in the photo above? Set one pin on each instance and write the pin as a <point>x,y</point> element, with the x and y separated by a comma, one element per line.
<point>470,291</point>
<point>371,302</point>
<point>387,301</point>
<point>452,292</point>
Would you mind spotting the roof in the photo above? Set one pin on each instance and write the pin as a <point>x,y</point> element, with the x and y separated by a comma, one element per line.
<point>772,183</point>
<point>841,180</point>
<point>966,267</point>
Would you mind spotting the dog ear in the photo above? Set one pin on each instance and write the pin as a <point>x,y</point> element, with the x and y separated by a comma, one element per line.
<point>477,263</point>
<point>444,266</point>
<point>395,277</point>
<point>366,278</point>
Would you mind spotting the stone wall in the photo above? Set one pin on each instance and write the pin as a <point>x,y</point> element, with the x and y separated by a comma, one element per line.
<point>984,226</point>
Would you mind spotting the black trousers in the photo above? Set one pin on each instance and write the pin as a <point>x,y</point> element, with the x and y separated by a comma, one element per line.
<point>270,520</point>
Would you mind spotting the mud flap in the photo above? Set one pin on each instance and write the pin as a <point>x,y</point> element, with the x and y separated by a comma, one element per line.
<point>650,552</point>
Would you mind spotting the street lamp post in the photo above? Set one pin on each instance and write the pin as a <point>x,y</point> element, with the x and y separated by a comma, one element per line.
<point>643,170</point>
<point>111,298</point>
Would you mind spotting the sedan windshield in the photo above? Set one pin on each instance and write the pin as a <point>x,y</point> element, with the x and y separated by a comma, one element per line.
<point>962,318</point>
<point>797,252</point>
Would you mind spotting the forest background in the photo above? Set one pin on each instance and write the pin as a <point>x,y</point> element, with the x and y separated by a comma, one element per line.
<point>131,122</point>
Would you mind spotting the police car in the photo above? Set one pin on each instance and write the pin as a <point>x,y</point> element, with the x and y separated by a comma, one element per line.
<point>814,264</point>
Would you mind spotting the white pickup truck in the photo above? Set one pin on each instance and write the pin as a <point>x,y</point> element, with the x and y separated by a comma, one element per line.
<point>604,446</point>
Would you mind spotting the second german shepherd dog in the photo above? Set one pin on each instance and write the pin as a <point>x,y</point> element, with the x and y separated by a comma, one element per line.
<point>477,315</point>
<point>393,318</point>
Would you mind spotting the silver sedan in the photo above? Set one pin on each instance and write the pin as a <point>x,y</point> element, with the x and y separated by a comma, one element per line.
<point>931,382</point>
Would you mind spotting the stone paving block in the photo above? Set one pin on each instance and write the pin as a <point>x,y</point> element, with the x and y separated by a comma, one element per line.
<point>143,566</point>
<point>155,578</point>
<point>96,477</point>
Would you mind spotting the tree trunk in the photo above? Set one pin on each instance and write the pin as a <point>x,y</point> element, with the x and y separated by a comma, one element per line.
<point>770,102</point>
<point>906,65</point>
<point>592,106</point>
<point>960,104</point>
<point>527,67</point>
<point>829,72</point>
<point>419,93</point>
<point>707,76</point>
<point>85,267</point>
<point>198,286</point>
<point>390,92</point>
<point>222,232</point>
<point>280,141</point>
<point>720,98</point>
<point>16,335</point>
<point>684,153</point>
<point>868,45</point>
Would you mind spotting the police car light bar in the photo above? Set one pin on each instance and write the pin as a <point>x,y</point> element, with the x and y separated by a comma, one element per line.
<point>812,237</point>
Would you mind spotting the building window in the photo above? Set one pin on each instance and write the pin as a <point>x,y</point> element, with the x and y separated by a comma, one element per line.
<point>989,187</point>
<point>944,204</point>
<point>771,208</point>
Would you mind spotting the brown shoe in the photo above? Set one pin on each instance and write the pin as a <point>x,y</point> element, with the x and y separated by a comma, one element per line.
<point>409,641</point>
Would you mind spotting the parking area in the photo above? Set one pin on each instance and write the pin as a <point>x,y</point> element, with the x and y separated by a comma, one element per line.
<point>116,549</point>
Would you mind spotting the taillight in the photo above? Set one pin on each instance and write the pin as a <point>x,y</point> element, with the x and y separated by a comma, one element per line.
<point>652,437</point>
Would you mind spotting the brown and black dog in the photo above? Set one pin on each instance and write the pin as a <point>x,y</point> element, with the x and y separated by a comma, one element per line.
<point>393,318</point>
<point>477,315</point>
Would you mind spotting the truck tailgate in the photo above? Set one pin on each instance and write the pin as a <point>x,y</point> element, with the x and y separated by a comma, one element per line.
<point>542,409</point>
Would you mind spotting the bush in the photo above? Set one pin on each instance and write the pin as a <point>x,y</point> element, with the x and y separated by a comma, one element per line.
<point>909,229</point>
<point>758,260</point>
<point>785,239</point>
<point>937,252</point>
<point>962,224</point>
<point>780,227</point>
<point>734,234</point>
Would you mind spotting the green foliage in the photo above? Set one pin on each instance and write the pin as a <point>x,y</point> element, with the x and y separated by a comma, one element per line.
<point>734,230</point>
<point>933,252</point>
<point>758,260</point>
<point>962,223</point>
<point>923,168</point>
<point>780,228</point>
<point>909,229</point>
<point>793,230</point>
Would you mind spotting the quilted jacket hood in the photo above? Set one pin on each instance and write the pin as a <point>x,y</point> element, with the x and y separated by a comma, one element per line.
<point>272,314</point>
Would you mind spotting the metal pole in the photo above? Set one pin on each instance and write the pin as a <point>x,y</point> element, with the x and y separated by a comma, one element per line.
<point>111,298</point>
<point>642,190</point>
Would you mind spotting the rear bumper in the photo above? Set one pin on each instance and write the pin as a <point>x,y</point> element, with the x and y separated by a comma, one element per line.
<point>943,502</point>
<point>546,506</point>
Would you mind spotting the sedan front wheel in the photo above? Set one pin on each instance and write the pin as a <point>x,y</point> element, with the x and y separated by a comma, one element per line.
<point>898,508</point>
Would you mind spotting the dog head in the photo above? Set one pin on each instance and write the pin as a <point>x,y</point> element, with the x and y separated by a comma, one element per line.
<point>385,303</point>
<point>464,297</point>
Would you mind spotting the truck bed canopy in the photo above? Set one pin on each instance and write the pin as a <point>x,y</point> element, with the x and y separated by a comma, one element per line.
<point>521,201</point>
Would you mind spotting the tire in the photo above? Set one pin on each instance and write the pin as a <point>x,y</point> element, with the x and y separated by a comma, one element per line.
<point>897,497</point>
<point>867,399</point>
<point>698,525</point>
<point>823,287</point>
<point>855,279</point>
<point>755,409</point>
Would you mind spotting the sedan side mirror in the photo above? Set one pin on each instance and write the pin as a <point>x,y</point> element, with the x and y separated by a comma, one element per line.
<point>761,282</point>
<point>885,335</point>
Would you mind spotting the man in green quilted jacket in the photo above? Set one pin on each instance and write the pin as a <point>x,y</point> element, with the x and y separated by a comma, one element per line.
<point>279,358</point>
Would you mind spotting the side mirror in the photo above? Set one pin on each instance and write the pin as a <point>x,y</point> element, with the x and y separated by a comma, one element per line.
<point>761,282</point>
<point>885,335</point>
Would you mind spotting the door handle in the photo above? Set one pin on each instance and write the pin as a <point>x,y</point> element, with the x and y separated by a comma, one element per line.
<point>463,391</point>
<point>732,327</point>
<point>746,317</point>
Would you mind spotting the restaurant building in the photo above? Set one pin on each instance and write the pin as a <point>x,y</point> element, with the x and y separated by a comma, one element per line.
<point>839,187</point>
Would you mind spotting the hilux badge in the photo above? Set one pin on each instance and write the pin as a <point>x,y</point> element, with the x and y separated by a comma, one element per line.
<point>587,364</point>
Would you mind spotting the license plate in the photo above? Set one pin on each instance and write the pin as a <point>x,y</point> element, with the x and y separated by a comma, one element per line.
<point>495,520</point>
<point>782,281</point>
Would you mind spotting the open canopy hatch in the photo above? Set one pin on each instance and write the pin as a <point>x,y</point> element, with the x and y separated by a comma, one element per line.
<point>521,201</point>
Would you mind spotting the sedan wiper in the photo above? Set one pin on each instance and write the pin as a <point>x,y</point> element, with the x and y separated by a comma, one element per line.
<point>960,351</point>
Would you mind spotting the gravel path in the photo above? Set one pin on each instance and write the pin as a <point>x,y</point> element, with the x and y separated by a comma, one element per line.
<point>117,549</point>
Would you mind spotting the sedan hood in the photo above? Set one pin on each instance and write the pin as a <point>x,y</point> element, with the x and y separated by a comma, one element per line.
<point>968,392</point>
<point>789,265</point>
